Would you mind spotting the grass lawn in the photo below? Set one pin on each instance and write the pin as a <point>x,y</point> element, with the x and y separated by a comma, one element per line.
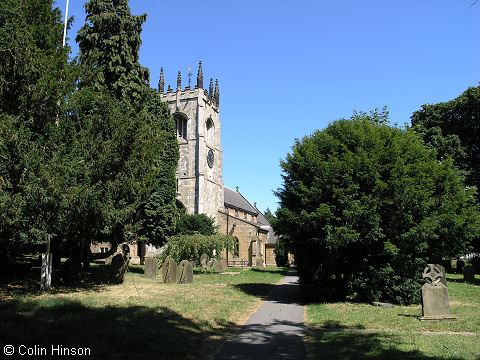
<point>361,331</point>
<point>139,319</point>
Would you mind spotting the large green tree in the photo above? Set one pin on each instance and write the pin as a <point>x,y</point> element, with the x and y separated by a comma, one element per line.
<point>118,154</point>
<point>34,80</point>
<point>364,206</point>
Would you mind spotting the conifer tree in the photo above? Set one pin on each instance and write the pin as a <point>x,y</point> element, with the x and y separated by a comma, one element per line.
<point>109,43</point>
<point>32,64</point>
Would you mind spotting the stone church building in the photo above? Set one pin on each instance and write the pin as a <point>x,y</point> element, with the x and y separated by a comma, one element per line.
<point>200,188</point>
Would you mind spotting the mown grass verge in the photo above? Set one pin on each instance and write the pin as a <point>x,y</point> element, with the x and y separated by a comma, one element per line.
<point>361,331</point>
<point>139,319</point>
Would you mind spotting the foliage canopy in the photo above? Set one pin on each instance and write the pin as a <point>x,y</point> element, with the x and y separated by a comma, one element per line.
<point>453,129</point>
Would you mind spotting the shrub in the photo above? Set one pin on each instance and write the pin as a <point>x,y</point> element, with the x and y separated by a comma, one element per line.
<point>191,247</point>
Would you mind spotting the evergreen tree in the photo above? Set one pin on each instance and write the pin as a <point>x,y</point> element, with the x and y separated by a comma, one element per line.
<point>109,43</point>
<point>34,80</point>
<point>364,206</point>
<point>118,153</point>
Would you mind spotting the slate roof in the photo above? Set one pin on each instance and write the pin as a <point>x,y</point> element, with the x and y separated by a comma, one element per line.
<point>234,199</point>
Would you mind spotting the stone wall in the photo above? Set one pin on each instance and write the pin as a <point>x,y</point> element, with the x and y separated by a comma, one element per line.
<point>270,255</point>
<point>251,238</point>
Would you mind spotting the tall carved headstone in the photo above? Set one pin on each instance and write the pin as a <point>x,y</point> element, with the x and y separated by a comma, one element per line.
<point>169,271</point>
<point>185,272</point>
<point>435,302</point>
<point>151,267</point>
<point>204,262</point>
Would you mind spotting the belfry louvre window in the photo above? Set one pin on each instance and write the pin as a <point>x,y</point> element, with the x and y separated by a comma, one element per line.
<point>181,127</point>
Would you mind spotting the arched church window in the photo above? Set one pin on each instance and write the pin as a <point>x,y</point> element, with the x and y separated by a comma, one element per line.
<point>182,123</point>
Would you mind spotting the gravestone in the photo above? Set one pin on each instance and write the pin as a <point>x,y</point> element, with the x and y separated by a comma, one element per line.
<point>118,268</point>
<point>189,273</point>
<point>151,267</point>
<point>259,263</point>
<point>469,273</point>
<point>460,264</point>
<point>71,271</point>
<point>221,265</point>
<point>169,271</point>
<point>204,262</point>
<point>185,272</point>
<point>435,302</point>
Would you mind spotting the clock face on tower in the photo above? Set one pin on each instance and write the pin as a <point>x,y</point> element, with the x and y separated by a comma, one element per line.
<point>210,158</point>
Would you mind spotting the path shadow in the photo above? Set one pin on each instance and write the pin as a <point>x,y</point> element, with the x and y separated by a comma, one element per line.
<point>283,271</point>
<point>110,332</point>
<point>259,290</point>
<point>278,340</point>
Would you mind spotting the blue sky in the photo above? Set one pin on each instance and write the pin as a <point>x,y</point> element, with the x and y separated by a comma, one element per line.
<point>288,68</point>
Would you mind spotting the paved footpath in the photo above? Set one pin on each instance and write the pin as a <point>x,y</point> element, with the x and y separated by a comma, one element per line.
<point>274,331</point>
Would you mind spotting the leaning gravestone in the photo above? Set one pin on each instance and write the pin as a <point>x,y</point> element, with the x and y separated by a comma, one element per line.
<point>185,272</point>
<point>118,268</point>
<point>204,262</point>
<point>435,302</point>
<point>151,267</point>
<point>169,271</point>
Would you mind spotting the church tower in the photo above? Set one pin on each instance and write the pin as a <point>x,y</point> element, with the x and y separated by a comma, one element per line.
<point>199,171</point>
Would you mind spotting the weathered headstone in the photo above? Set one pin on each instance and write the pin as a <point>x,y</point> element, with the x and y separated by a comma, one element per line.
<point>259,262</point>
<point>169,271</point>
<point>204,262</point>
<point>435,302</point>
<point>185,272</point>
<point>151,267</point>
<point>469,273</point>
<point>189,273</point>
<point>221,265</point>
<point>118,268</point>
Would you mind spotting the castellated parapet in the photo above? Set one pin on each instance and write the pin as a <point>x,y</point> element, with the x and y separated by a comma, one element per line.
<point>199,171</point>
